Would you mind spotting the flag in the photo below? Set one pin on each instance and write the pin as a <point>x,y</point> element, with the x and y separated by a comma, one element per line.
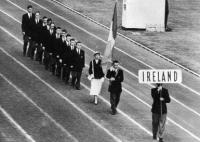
<point>111,39</point>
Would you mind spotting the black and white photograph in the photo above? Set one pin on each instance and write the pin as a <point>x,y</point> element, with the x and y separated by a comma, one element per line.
<point>99,71</point>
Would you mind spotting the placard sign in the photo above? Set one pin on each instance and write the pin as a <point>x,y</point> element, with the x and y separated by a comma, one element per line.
<point>160,76</point>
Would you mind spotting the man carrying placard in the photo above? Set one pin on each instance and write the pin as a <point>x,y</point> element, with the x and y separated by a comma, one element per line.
<point>160,97</point>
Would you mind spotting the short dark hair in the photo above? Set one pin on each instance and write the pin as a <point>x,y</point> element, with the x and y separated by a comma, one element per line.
<point>37,12</point>
<point>158,84</point>
<point>68,35</point>
<point>49,19</point>
<point>115,61</point>
<point>64,30</point>
<point>78,42</point>
<point>29,6</point>
<point>58,28</point>
<point>72,39</point>
<point>44,17</point>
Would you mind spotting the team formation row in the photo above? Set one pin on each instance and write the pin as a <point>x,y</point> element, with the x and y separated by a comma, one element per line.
<point>63,56</point>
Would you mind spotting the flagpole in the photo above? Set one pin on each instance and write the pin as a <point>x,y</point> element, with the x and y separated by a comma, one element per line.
<point>108,52</point>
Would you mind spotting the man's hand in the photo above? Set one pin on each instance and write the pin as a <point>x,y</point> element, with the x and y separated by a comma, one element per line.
<point>112,79</point>
<point>161,98</point>
<point>60,60</point>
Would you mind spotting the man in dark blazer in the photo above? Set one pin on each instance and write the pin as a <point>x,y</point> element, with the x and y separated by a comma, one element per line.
<point>116,77</point>
<point>160,97</point>
<point>49,46</point>
<point>66,59</point>
<point>71,58</point>
<point>79,61</point>
<point>43,37</point>
<point>57,43</point>
<point>37,27</point>
<point>63,49</point>
<point>27,21</point>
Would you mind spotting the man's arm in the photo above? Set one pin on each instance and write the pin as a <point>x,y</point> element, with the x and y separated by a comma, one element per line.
<point>167,97</point>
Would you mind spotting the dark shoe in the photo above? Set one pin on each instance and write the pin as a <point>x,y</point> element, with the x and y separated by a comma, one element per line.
<point>113,113</point>
<point>77,88</point>
<point>161,140</point>
<point>154,137</point>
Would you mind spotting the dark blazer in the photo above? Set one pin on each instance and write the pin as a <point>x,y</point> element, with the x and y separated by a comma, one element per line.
<point>98,71</point>
<point>50,39</point>
<point>65,55</point>
<point>156,106</point>
<point>44,35</point>
<point>71,58</point>
<point>37,27</point>
<point>115,86</point>
<point>27,24</point>
<point>57,45</point>
<point>79,61</point>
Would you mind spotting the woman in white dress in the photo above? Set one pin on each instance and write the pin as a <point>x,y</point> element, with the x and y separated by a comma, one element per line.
<point>97,76</point>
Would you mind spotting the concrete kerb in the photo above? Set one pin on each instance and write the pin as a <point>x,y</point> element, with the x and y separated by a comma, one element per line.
<point>137,43</point>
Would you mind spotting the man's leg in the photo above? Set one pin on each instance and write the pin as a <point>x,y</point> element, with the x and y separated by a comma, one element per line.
<point>25,44</point>
<point>155,124</point>
<point>74,74</point>
<point>161,127</point>
<point>117,99</point>
<point>113,102</point>
<point>67,74</point>
<point>78,80</point>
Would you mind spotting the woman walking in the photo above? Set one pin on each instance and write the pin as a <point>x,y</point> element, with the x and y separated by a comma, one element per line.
<point>97,76</point>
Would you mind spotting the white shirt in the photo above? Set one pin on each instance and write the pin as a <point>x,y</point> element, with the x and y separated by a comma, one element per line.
<point>29,15</point>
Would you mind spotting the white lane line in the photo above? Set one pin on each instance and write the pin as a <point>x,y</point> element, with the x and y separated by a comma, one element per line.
<point>177,101</point>
<point>16,125</point>
<point>137,43</point>
<point>40,109</point>
<point>127,91</point>
<point>127,116</point>
<point>61,95</point>
<point>61,17</point>
<point>183,85</point>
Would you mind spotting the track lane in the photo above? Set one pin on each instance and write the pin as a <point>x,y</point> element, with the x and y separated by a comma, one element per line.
<point>8,130</point>
<point>178,94</point>
<point>33,120</point>
<point>93,30</point>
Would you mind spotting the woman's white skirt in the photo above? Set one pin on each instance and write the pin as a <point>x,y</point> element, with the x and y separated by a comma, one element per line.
<point>96,85</point>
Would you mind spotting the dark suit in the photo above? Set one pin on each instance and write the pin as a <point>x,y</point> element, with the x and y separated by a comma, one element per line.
<point>115,87</point>
<point>159,111</point>
<point>57,43</point>
<point>49,49</point>
<point>37,28</point>
<point>66,62</point>
<point>27,29</point>
<point>79,61</point>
